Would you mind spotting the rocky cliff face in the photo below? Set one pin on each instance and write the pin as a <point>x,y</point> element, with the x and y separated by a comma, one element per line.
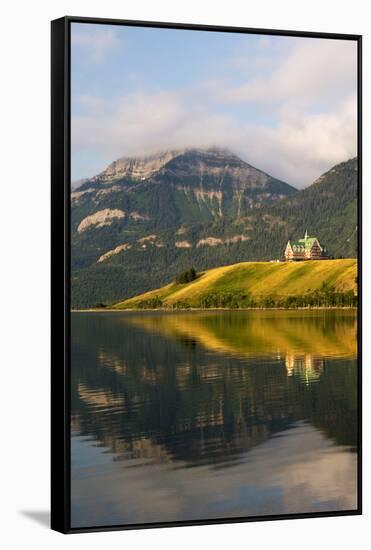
<point>217,164</point>
<point>136,168</point>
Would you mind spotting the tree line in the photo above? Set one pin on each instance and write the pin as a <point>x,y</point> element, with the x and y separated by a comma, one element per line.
<point>323,297</point>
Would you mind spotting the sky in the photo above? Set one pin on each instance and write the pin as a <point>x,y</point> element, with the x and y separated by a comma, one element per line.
<point>286,105</point>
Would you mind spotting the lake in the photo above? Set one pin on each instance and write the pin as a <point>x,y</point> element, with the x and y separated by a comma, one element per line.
<point>205,415</point>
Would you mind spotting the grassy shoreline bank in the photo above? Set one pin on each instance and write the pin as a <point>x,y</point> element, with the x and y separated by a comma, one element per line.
<point>256,285</point>
<point>195,309</point>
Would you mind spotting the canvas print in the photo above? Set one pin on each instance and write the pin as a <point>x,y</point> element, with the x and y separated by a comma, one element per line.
<point>214,288</point>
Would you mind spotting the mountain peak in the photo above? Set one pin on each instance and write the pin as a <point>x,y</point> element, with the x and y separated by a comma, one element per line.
<point>145,166</point>
<point>139,168</point>
<point>346,168</point>
<point>214,160</point>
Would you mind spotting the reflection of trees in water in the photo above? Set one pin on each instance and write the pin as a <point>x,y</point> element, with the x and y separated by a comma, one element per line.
<point>147,395</point>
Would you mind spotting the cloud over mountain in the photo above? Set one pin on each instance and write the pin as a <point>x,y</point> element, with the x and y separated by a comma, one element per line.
<point>293,112</point>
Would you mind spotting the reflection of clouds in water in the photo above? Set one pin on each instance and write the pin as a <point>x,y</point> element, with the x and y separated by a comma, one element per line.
<point>296,471</point>
<point>309,468</point>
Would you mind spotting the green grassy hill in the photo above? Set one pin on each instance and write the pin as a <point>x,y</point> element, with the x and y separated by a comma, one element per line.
<point>254,283</point>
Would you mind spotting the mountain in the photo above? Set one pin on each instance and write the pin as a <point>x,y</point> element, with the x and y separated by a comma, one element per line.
<point>198,170</point>
<point>160,214</point>
<point>77,183</point>
<point>328,208</point>
<point>172,188</point>
<point>257,280</point>
<point>137,196</point>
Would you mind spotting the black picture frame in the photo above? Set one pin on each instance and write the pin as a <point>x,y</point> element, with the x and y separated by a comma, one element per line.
<point>60,269</point>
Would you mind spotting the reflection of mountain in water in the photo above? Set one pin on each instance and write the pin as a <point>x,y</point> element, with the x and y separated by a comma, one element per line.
<point>207,388</point>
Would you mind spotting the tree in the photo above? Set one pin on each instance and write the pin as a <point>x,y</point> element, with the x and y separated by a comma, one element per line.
<point>186,276</point>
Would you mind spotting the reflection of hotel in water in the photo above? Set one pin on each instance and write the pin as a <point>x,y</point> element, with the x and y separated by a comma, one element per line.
<point>307,366</point>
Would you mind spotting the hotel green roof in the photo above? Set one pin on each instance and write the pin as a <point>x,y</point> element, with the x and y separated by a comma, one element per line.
<point>306,242</point>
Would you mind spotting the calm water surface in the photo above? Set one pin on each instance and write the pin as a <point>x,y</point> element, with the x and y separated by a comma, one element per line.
<point>182,416</point>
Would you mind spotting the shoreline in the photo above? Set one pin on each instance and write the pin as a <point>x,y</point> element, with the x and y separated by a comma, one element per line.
<point>195,309</point>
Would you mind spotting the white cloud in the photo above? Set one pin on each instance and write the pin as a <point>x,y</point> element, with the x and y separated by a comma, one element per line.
<point>311,95</point>
<point>315,71</point>
<point>142,123</point>
<point>302,146</point>
<point>98,41</point>
<point>298,149</point>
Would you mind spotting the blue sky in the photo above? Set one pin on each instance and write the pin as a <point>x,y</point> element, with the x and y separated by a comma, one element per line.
<point>286,105</point>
